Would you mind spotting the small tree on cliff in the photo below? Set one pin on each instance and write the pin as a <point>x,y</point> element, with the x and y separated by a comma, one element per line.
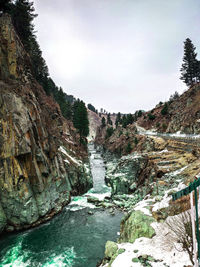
<point>109,132</point>
<point>80,118</point>
<point>118,119</point>
<point>109,121</point>
<point>103,122</point>
<point>190,66</point>
<point>91,107</point>
<point>65,106</point>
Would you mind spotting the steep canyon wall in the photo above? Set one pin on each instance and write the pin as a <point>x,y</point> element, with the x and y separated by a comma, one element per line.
<point>41,161</point>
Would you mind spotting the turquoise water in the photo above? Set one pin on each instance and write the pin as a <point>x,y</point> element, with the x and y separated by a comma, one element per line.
<point>72,238</point>
<point>69,239</point>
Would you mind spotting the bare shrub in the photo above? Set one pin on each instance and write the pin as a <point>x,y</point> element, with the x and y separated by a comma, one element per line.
<point>181,229</point>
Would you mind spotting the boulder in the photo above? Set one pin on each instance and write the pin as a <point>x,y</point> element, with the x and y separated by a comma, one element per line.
<point>92,199</point>
<point>129,173</point>
<point>134,225</point>
<point>110,249</point>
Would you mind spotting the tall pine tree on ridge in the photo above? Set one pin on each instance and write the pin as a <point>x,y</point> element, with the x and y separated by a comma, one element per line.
<point>190,70</point>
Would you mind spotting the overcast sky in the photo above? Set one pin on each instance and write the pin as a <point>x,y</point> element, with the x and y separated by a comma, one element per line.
<point>122,55</point>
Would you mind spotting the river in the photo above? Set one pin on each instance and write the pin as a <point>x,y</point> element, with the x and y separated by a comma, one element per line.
<point>76,237</point>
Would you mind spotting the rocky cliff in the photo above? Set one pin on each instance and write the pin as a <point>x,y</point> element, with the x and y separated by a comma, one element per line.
<point>41,161</point>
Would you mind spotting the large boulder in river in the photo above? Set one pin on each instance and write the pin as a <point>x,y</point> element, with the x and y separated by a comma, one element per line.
<point>129,173</point>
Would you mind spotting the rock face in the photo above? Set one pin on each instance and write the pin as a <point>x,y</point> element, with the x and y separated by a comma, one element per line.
<point>135,225</point>
<point>94,123</point>
<point>129,173</point>
<point>41,164</point>
<point>120,139</point>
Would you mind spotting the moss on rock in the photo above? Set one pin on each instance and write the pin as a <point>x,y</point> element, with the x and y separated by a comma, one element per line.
<point>135,225</point>
<point>110,249</point>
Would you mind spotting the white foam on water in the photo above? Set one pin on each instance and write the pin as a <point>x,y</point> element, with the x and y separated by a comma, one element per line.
<point>16,256</point>
<point>65,259</point>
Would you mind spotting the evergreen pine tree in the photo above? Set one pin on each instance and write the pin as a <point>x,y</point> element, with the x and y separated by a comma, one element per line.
<point>39,67</point>
<point>103,122</point>
<point>128,148</point>
<point>109,121</point>
<point>164,110</point>
<point>198,71</point>
<point>109,132</point>
<point>80,118</point>
<point>139,114</point>
<point>65,106</point>
<point>118,119</point>
<point>190,66</point>
<point>130,119</point>
<point>23,15</point>
<point>91,107</point>
<point>124,121</point>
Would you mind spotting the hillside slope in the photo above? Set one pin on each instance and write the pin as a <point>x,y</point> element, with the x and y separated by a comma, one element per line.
<point>182,114</point>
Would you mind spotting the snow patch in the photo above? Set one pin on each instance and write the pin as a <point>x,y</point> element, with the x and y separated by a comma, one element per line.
<point>75,161</point>
<point>134,155</point>
<point>141,206</point>
<point>174,173</point>
<point>160,247</point>
<point>78,203</point>
<point>67,161</point>
<point>164,203</point>
<point>178,134</point>
<point>100,197</point>
<point>161,152</point>
<point>87,168</point>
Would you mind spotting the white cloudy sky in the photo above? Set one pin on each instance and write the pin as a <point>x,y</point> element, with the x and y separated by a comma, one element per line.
<point>121,55</point>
